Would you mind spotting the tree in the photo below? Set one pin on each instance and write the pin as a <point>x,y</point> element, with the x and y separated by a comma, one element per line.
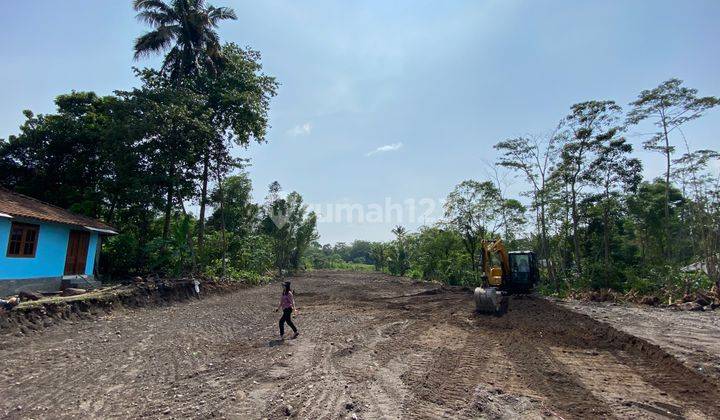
<point>63,157</point>
<point>187,29</point>
<point>588,125</point>
<point>305,234</point>
<point>646,210</point>
<point>174,122</point>
<point>289,225</point>
<point>702,223</point>
<point>240,212</point>
<point>512,213</point>
<point>534,157</point>
<point>379,255</point>
<point>230,79</point>
<point>238,100</point>
<point>473,209</point>
<point>399,262</point>
<point>669,106</point>
<point>614,172</point>
<point>439,254</point>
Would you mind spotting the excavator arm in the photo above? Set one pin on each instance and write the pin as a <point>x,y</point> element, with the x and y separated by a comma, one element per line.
<point>491,299</point>
<point>494,274</point>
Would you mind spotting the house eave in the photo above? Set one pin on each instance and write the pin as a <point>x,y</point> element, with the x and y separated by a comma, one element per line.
<point>7,216</point>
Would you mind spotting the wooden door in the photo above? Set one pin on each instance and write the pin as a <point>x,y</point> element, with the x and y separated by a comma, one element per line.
<point>77,251</point>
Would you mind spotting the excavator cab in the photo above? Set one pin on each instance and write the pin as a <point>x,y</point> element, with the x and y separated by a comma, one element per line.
<point>524,273</point>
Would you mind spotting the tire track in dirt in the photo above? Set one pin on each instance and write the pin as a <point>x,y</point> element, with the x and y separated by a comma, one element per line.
<point>370,345</point>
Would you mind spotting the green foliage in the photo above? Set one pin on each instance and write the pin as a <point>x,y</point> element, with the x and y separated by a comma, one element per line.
<point>398,260</point>
<point>347,266</point>
<point>172,256</point>
<point>291,227</point>
<point>136,158</point>
<point>215,269</point>
<point>597,224</point>
<point>439,254</point>
<point>379,254</point>
<point>239,213</point>
<point>187,29</point>
<point>474,210</point>
<point>667,282</point>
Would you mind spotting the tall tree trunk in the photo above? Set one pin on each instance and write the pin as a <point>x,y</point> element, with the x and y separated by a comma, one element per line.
<point>575,225</point>
<point>471,249</point>
<point>144,229</point>
<point>189,239</point>
<point>606,242</point>
<point>545,247</point>
<point>168,210</point>
<point>666,245</point>
<point>222,222</point>
<point>203,202</point>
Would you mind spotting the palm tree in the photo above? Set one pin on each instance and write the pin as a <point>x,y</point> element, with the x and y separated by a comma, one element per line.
<point>399,231</point>
<point>401,263</point>
<point>187,29</point>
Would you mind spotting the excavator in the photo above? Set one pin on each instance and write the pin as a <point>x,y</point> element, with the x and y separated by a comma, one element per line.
<point>504,273</point>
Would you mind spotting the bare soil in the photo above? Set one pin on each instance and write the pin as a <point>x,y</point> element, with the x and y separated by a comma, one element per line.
<point>692,337</point>
<point>371,346</point>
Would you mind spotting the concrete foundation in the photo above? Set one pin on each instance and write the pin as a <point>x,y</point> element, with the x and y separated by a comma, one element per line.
<point>46,284</point>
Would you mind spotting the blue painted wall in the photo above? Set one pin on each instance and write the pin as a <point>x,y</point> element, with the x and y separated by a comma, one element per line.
<point>49,258</point>
<point>92,249</point>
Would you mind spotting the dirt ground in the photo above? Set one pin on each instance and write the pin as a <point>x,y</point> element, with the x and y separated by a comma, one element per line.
<point>370,347</point>
<point>692,337</point>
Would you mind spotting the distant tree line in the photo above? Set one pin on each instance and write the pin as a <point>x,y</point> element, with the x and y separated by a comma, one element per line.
<point>137,157</point>
<point>591,217</point>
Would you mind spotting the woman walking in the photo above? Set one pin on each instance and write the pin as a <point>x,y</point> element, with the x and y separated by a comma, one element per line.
<point>287,304</point>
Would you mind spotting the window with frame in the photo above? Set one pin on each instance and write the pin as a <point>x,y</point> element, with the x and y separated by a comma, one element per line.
<point>23,240</point>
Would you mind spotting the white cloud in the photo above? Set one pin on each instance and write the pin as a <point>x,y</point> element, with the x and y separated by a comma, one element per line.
<point>386,148</point>
<point>300,130</point>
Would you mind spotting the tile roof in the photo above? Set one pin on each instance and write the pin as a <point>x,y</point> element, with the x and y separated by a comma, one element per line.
<point>18,205</point>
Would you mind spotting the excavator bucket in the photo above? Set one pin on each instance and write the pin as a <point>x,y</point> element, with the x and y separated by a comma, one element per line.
<point>490,300</point>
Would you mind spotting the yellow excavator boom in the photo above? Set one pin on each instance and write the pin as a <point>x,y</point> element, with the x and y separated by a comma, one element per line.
<point>494,273</point>
<point>490,299</point>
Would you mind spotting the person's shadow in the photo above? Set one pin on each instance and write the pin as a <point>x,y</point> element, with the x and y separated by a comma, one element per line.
<point>274,343</point>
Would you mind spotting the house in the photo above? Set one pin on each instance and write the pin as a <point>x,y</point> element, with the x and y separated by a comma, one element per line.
<point>42,245</point>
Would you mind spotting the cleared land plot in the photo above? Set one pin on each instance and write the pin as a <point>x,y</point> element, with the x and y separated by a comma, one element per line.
<point>370,345</point>
<point>692,337</point>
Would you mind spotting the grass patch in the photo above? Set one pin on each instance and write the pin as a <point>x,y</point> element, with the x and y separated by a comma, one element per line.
<point>348,266</point>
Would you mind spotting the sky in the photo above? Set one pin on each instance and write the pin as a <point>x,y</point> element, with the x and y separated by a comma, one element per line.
<point>384,106</point>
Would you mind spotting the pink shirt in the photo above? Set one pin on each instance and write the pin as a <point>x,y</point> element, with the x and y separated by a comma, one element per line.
<point>287,301</point>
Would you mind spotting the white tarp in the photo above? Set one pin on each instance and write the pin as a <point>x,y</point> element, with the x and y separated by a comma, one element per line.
<point>108,231</point>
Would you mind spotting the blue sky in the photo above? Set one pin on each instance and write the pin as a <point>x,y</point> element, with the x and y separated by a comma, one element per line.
<point>389,100</point>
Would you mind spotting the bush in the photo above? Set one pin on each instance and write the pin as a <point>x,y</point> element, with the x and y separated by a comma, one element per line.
<point>120,254</point>
<point>214,269</point>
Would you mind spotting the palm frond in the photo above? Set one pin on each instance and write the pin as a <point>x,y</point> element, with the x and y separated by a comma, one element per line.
<point>154,18</point>
<point>185,26</point>
<point>155,41</point>
<point>173,63</point>
<point>158,5</point>
<point>216,14</point>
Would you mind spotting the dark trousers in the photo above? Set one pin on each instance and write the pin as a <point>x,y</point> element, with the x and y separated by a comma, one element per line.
<point>287,317</point>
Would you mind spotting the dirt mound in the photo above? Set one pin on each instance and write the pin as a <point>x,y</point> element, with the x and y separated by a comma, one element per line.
<point>41,313</point>
<point>697,301</point>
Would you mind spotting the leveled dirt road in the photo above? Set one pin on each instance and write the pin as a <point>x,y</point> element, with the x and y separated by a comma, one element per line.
<point>370,346</point>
